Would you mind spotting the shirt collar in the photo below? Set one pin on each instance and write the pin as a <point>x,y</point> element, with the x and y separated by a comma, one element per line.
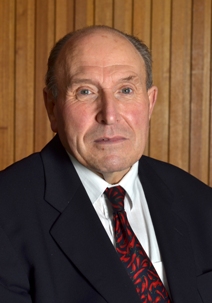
<point>95,185</point>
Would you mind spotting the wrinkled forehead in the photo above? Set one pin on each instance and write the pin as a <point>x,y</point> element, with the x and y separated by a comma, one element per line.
<point>99,48</point>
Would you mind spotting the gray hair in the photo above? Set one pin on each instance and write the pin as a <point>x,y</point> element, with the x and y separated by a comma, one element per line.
<point>50,79</point>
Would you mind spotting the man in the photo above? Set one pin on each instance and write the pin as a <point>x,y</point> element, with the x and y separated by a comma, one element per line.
<point>57,239</point>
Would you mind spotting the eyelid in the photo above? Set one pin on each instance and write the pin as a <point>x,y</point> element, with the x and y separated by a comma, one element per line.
<point>83,88</point>
<point>93,89</point>
<point>127,86</point>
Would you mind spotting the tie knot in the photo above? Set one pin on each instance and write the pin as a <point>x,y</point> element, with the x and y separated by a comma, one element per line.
<point>116,197</point>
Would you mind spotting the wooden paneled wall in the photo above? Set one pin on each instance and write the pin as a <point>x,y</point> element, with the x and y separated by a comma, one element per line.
<point>177,31</point>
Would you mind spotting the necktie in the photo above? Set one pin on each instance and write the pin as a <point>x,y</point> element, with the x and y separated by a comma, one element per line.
<point>138,265</point>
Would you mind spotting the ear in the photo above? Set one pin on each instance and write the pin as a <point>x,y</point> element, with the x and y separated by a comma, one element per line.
<point>152,95</point>
<point>50,105</point>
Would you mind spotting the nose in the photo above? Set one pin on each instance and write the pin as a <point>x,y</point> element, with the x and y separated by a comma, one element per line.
<point>108,110</point>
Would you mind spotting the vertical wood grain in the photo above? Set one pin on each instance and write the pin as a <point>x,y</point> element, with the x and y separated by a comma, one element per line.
<point>24,76</point>
<point>45,38</point>
<point>64,17</point>
<point>142,18</point>
<point>210,137</point>
<point>142,11</point>
<point>200,89</point>
<point>180,83</point>
<point>84,10</point>
<point>7,82</point>
<point>123,12</point>
<point>104,12</point>
<point>159,130</point>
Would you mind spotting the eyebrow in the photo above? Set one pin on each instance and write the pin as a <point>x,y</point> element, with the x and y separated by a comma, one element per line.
<point>79,80</point>
<point>87,80</point>
<point>129,78</point>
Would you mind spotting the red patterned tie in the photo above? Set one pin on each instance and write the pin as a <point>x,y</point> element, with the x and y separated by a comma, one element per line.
<point>139,267</point>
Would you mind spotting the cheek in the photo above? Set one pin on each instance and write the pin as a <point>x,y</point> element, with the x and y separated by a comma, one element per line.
<point>139,117</point>
<point>76,119</point>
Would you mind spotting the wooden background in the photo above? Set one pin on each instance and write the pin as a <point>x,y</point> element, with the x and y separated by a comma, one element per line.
<point>177,31</point>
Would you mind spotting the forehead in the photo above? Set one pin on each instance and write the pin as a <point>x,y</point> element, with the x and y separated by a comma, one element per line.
<point>100,49</point>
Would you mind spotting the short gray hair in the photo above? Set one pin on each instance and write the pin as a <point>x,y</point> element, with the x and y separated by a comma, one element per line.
<point>141,47</point>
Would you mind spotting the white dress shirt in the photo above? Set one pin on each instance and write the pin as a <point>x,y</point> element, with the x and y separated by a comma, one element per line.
<point>135,205</point>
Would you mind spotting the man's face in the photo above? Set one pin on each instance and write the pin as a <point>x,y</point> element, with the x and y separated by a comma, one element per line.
<point>103,109</point>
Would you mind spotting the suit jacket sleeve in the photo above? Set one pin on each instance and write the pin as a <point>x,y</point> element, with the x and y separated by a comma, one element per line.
<point>14,284</point>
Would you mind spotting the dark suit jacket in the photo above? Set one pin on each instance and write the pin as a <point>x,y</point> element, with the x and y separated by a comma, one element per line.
<point>54,249</point>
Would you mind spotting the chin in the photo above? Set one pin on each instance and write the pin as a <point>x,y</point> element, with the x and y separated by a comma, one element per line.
<point>112,166</point>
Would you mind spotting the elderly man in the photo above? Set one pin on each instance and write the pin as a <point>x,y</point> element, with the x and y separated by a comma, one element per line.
<point>89,219</point>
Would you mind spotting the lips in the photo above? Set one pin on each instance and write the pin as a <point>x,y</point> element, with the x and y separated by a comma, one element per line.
<point>108,140</point>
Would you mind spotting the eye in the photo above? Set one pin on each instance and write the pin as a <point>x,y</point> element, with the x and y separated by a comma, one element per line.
<point>125,93</point>
<point>126,90</point>
<point>84,92</point>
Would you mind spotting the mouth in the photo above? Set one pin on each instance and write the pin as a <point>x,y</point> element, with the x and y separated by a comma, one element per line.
<point>112,140</point>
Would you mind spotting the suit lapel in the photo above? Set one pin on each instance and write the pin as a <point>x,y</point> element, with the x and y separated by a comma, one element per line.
<point>82,237</point>
<point>79,232</point>
<point>172,235</point>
